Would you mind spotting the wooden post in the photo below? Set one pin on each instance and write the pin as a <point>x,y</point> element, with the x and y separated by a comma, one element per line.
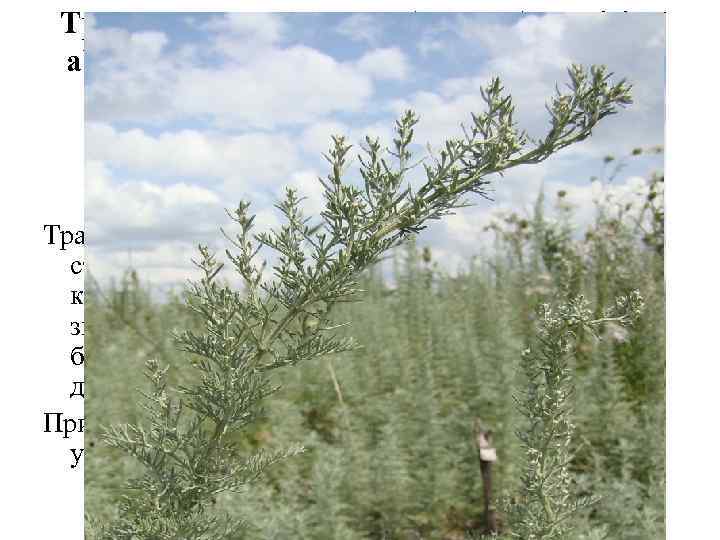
<point>487,455</point>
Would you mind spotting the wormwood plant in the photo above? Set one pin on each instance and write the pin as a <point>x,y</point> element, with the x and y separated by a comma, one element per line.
<point>547,501</point>
<point>191,450</point>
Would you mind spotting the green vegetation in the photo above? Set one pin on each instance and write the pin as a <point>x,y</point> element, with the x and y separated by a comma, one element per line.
<point>386,421</point>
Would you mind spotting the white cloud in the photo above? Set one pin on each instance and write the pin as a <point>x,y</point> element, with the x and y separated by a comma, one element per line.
<point>428,45</point>
<point>144,46</point>
<point>256,27</point>
<point>166,265</point>
<point>240,37</point>
<point>154,228</point>
<point>439,37</point>
<point>360,27</point>
<point>584,199</point>
<point>282,87</point>
<point>128,76</point>
<point>133,213</point>
<point>137,77</point>
<point>532,55</point>
<point>380,130</point>
<point>309,187</point>
<point>384,64</point>
<point>241,163</point>
<point>317,138</point>
<point>440,118</point>
<point>461,236</point>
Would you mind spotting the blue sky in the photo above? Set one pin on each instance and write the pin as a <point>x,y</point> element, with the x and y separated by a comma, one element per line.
<point>187,113</point>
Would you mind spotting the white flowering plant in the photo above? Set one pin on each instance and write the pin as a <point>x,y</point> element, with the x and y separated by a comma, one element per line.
<point>189,447</point>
